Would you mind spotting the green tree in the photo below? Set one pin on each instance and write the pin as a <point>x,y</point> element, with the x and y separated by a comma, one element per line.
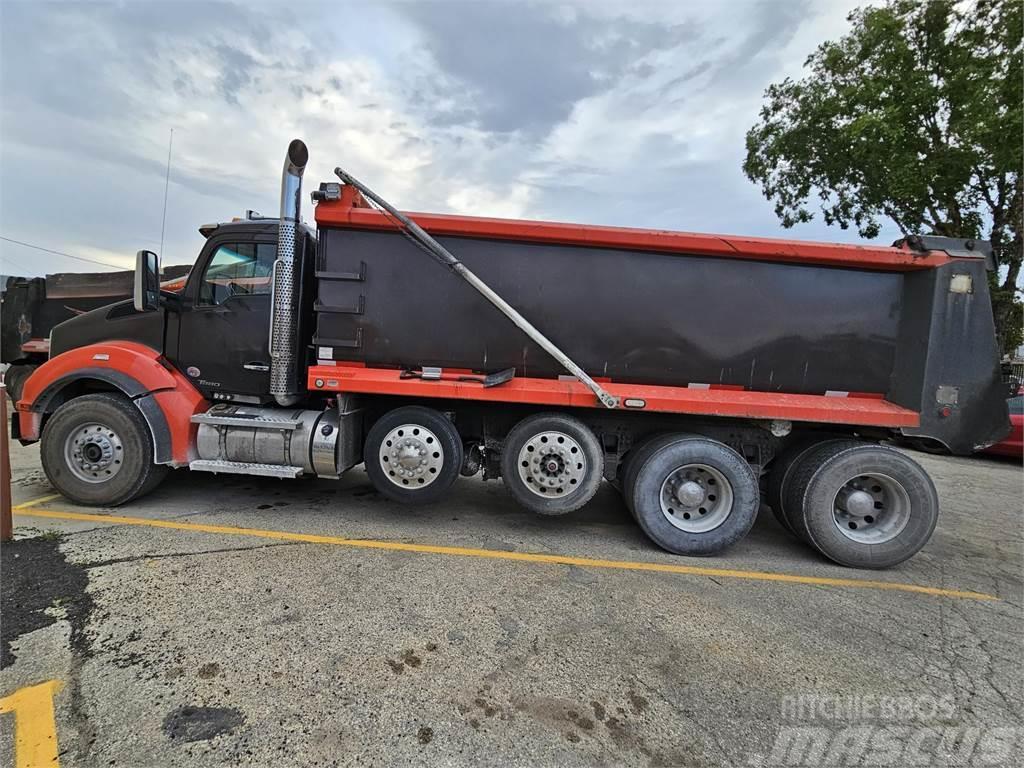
<point>914,116</point>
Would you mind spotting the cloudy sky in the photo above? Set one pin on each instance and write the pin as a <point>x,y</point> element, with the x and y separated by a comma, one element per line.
<point>625,113</point>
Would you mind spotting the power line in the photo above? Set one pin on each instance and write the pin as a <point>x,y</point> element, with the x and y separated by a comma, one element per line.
<point>19,264</point>
<point>60,253</point>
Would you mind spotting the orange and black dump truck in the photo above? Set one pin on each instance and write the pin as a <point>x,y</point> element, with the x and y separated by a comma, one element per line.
<point>698,374</point>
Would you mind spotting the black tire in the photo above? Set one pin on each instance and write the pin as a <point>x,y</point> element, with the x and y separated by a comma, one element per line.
<point>794,485</point>
<point>113,427</point>
<point>734,516</point>
<point>15,378</point>
<point>423,430</point>
<point>576,458</point>
<point>781,473</point>
<point>899,487</point>
<point>778,474</point>
<point>636,458</point>
<point>925,445</point>
<point>153,481</point>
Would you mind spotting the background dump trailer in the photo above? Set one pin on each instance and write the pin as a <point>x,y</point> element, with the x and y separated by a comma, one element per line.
<point>31,306</point>
<point>699,374</point>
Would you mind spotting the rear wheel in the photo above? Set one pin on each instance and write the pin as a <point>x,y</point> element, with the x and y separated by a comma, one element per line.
<point>694,495</point>
<point>780,475</point>
<point>636,458</point>
<point>413,455</point>
<point>97,450</point>
<point>866,506</point>
<point>551,463</point>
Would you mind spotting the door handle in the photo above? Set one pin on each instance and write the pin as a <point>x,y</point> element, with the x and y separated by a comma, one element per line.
<point>261,367</point>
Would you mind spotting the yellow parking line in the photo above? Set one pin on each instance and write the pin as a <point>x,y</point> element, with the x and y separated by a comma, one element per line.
<point>35,731</point>
<point>33,502</point>
<point>586,562</point>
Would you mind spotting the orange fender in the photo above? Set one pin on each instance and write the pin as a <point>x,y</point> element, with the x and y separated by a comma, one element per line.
<point>165,397</point>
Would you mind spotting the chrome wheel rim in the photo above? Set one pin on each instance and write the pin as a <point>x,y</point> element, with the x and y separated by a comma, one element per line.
<point>552,464</point>
<point>94,453</point>
<point>871,509</point>
<point>696,498</point>
<point>411,456</point>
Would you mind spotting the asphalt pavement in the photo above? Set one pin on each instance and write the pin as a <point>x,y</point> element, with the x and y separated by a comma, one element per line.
<point>241,621</point>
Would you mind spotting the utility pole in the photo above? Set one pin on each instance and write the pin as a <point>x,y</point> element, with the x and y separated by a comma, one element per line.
<point>6,522</point>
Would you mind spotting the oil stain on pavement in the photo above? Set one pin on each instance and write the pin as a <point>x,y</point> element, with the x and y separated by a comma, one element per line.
<point>201,723</point>
<point>37,577</point>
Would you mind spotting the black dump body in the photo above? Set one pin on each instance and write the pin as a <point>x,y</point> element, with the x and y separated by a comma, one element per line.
<point>674,319</point>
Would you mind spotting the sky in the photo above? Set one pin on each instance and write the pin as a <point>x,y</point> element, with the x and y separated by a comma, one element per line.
<point>619,113</point>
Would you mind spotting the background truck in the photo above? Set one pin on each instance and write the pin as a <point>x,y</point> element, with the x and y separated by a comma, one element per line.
<point>697,373</point>
<point>30,307</point>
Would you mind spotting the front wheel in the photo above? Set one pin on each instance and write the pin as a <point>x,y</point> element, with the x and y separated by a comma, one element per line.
<point>97,450</point>
<point>694,495</point>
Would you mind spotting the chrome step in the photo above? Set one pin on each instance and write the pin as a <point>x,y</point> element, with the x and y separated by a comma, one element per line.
<point>243,468</point>
<point>256,422</point>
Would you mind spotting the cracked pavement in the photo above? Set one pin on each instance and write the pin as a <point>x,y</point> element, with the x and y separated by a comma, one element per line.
<point>190,648</point>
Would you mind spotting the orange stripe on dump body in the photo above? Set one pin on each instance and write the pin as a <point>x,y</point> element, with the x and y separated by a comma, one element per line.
<point>342,377</point>
<point>888,258</point>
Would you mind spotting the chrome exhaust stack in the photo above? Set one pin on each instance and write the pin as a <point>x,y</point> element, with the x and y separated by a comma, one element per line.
<point>284,312</point>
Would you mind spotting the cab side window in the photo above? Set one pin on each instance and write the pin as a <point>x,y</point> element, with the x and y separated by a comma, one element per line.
<point>238,269</point>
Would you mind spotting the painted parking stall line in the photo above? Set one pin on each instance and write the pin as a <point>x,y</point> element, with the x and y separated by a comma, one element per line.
<point>34,502</point>
<point>35,729</point>
<point>523,557</point>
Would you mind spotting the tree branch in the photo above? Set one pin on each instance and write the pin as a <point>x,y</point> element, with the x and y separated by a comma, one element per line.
<point>1012,273</point>
<point>936,223</point>
<point>985,193</point>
